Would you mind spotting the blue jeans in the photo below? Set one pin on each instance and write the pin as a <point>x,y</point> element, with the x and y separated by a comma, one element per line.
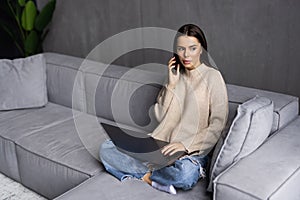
<point>184,173</point>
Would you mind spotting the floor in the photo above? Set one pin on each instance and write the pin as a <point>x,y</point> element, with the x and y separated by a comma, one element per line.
<point>11,190</point>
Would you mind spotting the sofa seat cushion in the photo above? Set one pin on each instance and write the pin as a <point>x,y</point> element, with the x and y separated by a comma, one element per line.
<point>56,154</point>
<point>106,187</point>
<point>44,144</point>
<point>6,116</point>
<point>16,124</point>
<point>271,172</point>
<point>285,106</point>
<point>22,123</point>
<point>8,158</point>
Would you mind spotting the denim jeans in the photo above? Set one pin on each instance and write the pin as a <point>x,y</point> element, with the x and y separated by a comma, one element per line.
<point>184,173</point>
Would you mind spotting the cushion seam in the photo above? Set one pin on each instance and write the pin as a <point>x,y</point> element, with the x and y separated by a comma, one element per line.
<point>80,184</point>
<point>102,75</point>
<point>19,145</point>
<point>7,139</point>
<point>240,149</point>
<point>290,102</point>
<point>45,81</point>
<point>14,141</point>
<point>62,65</point>
<point>45,127</point>
<point>280,118</point>
<point>279,109</point>
<point>121,79</point>
<point>282,184</point>
<point>16,116</point>
<point>53,125</point>
<point>56,162</point>
<point>16,156</point>
<point>238,189</point>
<point>278,122</point>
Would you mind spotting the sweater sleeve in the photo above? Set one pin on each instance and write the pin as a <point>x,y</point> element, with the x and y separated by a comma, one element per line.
<point>206,138</point>
<point>162,105</point>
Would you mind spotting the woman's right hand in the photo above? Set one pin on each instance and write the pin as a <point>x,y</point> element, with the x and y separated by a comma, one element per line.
<point>173,77</point>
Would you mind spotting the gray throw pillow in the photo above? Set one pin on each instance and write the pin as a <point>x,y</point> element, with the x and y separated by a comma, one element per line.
<point>23,83</point>
<point>249,129</point>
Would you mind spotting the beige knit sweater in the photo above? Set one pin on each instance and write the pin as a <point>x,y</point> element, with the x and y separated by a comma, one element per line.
<point>195,112</point>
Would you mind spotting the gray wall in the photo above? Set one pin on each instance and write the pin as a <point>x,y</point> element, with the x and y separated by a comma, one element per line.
<point>253,42</point>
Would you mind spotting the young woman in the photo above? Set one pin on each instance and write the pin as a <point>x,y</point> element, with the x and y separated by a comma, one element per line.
<point>191,109</point>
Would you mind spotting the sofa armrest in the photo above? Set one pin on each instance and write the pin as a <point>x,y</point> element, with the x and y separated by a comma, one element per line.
<point>286,107</point>
<point>271,172</point>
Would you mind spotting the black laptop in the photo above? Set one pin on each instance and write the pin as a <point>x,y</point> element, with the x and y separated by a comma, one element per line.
<point>146,149</point>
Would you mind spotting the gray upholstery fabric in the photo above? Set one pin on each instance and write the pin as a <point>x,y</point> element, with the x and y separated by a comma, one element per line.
<point>33,121</point>
<point>112,92</point>
<point>61,75</point>
<point>285,106</point>
<point>43,144</point>
<point>95,98</point>
<point>8,157</point>
<point>23,83</point>
<point>53,151</point>
<point>124,95</point>
<point>248,130</point>
<point>8,115</point>
<point>16,124</point>
<point>231,115</point>
<point>106,187</point>
<point>271,172</point>
<point>57,155</point>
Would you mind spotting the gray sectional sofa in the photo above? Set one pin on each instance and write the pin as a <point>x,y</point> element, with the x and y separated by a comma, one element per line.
<point>52,149</point>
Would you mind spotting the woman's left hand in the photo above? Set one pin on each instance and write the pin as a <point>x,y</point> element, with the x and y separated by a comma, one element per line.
<point>172,148</point>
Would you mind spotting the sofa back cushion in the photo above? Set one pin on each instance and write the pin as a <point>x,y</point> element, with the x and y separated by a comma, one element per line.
<point>116,93</point>
<point>62,75</point>
<point>62,71</point>
<point>249,129</point>
<point>124,95</point>
<point>23,83</point>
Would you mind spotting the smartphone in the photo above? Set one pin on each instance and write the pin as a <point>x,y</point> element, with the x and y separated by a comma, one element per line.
<point>174,70</point>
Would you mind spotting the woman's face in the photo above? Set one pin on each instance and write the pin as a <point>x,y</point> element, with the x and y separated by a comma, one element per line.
<point>189,50</point>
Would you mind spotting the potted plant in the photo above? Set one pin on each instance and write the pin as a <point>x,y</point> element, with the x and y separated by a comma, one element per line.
<point>29,28</point>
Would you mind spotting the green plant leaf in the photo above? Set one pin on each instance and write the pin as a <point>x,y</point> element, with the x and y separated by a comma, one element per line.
<point>31,43</point>
<point>18,11</point>
<point>28,16</point>
<point>45,16</point>
<point>22,2</point>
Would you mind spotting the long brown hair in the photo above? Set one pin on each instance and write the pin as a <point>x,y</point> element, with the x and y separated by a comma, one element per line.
<point>194,31</point>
